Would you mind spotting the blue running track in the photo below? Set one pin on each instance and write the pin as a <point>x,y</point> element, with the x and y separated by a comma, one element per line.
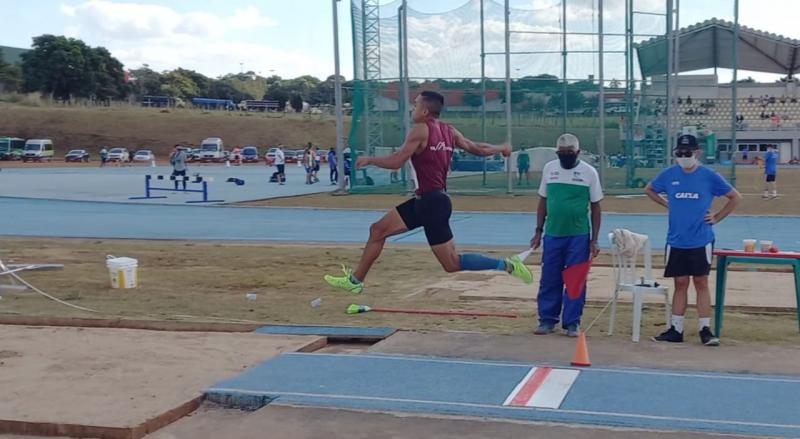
<point>35,217</point>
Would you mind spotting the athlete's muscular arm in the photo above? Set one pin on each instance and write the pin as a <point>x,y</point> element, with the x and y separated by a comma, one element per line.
<point>653,195</point>
<point>416,139</point>
<point>480,148</point>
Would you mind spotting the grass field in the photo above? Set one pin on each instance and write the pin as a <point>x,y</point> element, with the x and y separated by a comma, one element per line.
<point>159,129</point>
<point>206,281</point>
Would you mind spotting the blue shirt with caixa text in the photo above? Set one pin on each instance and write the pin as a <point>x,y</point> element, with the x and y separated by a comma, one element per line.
<point>690,196</point>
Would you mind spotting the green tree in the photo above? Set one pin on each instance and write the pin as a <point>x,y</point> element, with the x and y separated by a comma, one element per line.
<point>244,86</point>
<point>517,96</point>
<point>66,67</point>
<point>202,82</point>
<point>179,85</point>
<point>324,93</point>
<point>543,83</point>
<point>296,101</point>
<point>473,99</point>
<point>575,100</point>
<point>276,91</point>
<point>146,82</point>
<point>56,65</point>
<point>105,77</point>
<point>227,89</point>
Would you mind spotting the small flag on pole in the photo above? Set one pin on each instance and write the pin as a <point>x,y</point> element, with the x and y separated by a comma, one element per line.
<point>524,255</point>
<point>575,278</point>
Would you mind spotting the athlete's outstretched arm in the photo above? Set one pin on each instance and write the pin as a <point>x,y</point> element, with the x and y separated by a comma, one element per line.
<point>416,137</point>
<point>480,148</point>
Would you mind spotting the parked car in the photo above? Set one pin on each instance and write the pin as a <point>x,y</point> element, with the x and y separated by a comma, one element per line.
<point>77,155</point>
<point>38,150</point>
<point>249,154</point>
<point>11,148</point>
<point>144,155</point>
<point>118,154</point>
<point>192,155</point>
<point>290,156</point>
<point>213,150</point>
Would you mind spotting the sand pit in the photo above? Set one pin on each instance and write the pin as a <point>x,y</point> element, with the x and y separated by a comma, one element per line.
<point>118,383</point>
<point>745,289</point>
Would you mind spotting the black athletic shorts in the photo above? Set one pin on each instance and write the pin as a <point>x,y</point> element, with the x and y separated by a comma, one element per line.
<point>430,210</point>
<point>178,173</point>
<point>770,178</point>
<point>688,261</point>
<point>281,168</point>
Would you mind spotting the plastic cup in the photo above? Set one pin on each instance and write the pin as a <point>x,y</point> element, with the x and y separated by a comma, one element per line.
<point>765,246</point>
<point>749,245</point>
<point>251,296</point>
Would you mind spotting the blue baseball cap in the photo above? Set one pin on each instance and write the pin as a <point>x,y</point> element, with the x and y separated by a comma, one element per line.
<point>687,141</point>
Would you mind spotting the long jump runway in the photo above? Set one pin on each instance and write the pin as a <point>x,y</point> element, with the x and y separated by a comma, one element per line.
<point>86,219</point>
<point>617,397</point>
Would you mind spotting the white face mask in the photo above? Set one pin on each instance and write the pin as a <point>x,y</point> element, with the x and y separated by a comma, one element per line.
<point>686,162</point>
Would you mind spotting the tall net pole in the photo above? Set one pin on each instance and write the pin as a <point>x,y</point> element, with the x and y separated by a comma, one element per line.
<point>337,93</point>
<point>668,85</point>
<point>563,66</point>
<point>629,95</point>
<point>601,101</point>
<point>483,91</point>
<point>411,180</point>
<point>734,90</point>
<point>507,12</point>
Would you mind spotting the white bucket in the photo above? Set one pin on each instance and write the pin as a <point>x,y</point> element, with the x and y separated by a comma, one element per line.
<point>122,271</point>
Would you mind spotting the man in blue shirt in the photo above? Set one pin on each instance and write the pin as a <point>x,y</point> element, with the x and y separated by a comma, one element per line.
<point>771,172</point>
<point>690,189</point>
<point>332,166</point>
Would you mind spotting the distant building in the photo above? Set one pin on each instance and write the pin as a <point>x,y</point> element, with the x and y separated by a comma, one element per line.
<point>12,55</point>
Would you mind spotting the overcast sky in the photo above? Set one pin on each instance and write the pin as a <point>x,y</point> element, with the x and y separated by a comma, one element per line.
<point>285,37</point>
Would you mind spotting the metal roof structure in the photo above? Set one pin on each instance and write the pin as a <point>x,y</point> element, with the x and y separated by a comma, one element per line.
<point>709,44</point>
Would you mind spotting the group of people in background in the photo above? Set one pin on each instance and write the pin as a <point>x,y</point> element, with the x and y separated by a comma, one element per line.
<point>310,162</point>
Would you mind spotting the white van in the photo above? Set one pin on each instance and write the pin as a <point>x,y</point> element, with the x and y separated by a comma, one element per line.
<point>38,150</point>
<point>212,149</point>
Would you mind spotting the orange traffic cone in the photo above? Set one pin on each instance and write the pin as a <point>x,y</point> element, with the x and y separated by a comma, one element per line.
<point>581,357</point>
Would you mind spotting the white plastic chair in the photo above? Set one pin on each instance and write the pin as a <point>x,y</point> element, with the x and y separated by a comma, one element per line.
<point>628,279</point>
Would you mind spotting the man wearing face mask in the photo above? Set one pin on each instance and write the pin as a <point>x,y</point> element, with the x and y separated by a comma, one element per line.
<point>690,189</point>
<point>570,188</point>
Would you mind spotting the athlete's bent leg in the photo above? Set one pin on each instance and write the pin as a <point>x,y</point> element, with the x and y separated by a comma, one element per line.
<point>448,257</point>
<point>452,261</point>
<point>391,224</point>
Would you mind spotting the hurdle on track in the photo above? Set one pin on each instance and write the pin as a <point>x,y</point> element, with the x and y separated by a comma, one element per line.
<point>148,189</point>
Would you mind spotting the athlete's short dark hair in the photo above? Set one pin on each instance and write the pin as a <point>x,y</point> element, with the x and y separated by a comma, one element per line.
<point>433,101</point>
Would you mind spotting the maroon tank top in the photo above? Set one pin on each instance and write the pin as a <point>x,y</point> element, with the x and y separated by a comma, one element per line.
<point>433,163</point>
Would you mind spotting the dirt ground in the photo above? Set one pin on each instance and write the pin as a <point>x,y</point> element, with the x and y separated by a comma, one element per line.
<point>120,377</point>
<point>207,281</point>
<point>313,423</point>
<point>749,184</point>
<point>159,129</point>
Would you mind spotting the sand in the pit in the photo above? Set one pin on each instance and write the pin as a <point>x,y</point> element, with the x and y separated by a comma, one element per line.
<point>119,377</point>
<point>752,290</point>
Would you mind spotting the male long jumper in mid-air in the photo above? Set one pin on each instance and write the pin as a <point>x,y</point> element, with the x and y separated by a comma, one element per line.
<point>429,145</point>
